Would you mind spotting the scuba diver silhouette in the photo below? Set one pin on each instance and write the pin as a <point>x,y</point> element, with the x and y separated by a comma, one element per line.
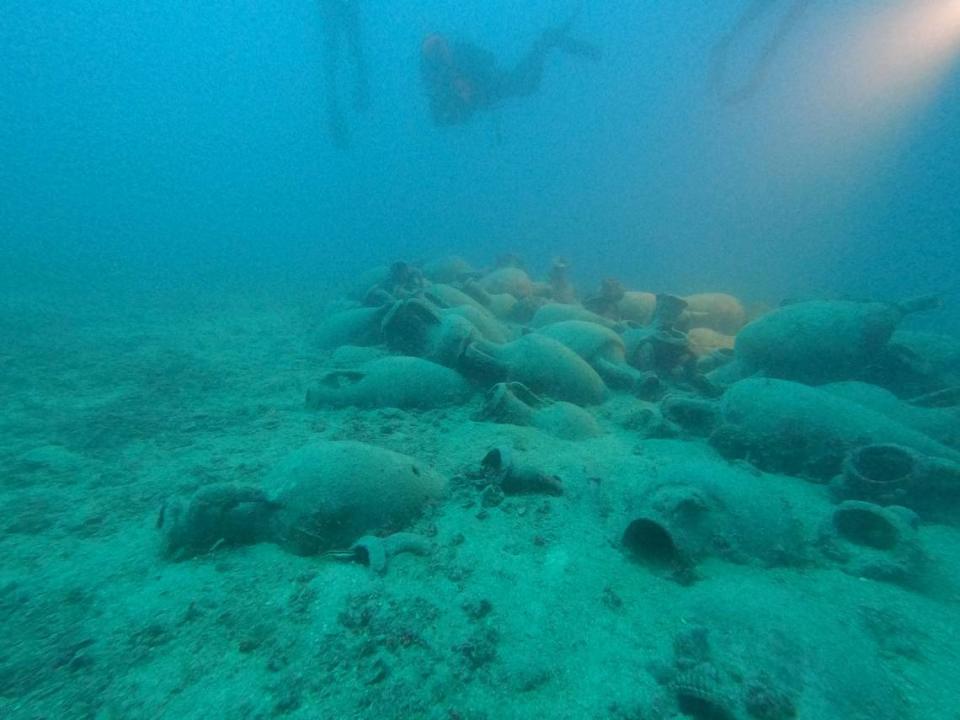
<point>752,14</point>
<point>461,78</point>
<point>341,19</point>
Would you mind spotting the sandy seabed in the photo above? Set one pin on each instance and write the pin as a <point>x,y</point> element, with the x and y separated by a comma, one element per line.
<point>526,607</point>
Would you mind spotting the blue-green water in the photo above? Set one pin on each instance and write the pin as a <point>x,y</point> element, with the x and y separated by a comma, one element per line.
<point>181,231</point>
<point>195,135</point>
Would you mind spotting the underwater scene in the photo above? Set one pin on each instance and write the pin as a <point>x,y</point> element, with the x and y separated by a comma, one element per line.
<point>480,360</point>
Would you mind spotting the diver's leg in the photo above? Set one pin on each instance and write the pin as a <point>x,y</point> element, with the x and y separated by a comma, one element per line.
<point>559,38</point>
<point>751,15</point>
<point>331,51</point>
<point>720,52</point>
<point>579,48</point>
<point>525,78</point>
<point>791,17</point>
<point>353,31</point>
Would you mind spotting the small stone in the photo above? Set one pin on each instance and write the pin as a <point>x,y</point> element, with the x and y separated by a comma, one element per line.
<point>491,496</point>
<point>477,609</point>
<point>611,599</point>
<point>480,648</point>
<point>379,671</point>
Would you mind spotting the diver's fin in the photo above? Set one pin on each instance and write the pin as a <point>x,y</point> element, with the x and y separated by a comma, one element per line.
<point>920,304</point>
<point>580,48</point>
<point>559,37</point>
<point>574,15</point>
